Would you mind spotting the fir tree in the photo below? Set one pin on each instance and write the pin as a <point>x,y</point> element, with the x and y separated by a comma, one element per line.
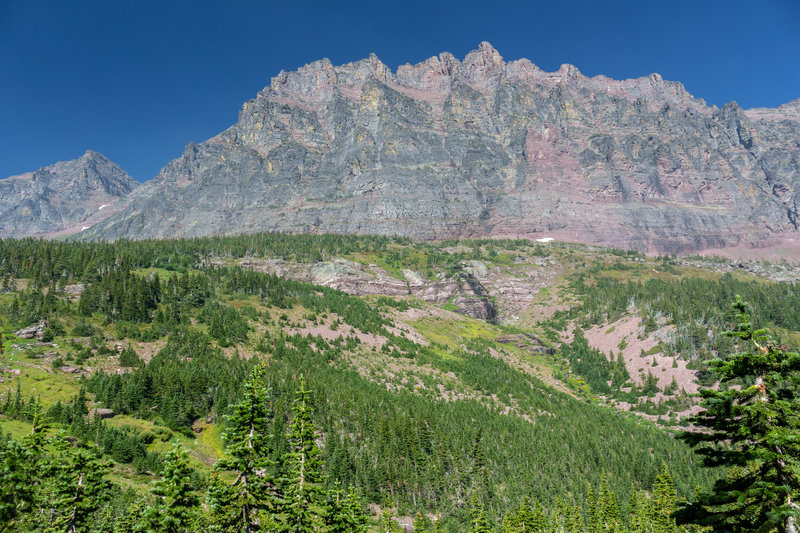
<point>755,432</point>
<point>343,513</point>
<point>21,472</point>
<point>387,522</point>
<point>526,519</point>
<point>304,479</point>
<point>80,487</point>
<point>237,506</point>
<point>175,498</point>
<point>478,521</point>
<point>421,524</point>
<point>664,502</point>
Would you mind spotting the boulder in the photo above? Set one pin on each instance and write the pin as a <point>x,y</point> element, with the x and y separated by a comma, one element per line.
<point>100,413</point>
<point>35,331</point>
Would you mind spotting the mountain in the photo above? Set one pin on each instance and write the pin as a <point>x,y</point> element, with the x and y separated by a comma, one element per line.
<point>62,198</point>
<point>482,147</point>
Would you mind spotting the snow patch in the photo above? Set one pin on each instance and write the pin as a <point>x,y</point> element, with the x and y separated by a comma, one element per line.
<point>102,206</point>
<point>545,239</point>
<point>85,228</point>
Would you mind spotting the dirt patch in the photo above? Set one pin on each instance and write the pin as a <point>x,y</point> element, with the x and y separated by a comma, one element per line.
<point>326,330</point>
<point>146,350</point>
<point>623,336</point>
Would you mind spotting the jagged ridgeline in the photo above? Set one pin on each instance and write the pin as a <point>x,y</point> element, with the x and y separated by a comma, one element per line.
<point>480,147</point>
<point>416,406</point>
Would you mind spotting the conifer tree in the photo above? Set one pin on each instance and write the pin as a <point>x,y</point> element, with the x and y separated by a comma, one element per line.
<point>237,506</point>
<point>304,479</point>
<point>568,517</point>
<point>80,487</point>
<point>664,502</point>
<point>343,512</point>
<point>387,522</point>
<point>478,521</point>
<point>525,519</point>
<point>421,524</point>
<point>638,512</point>
<point>21,472</point>
<point>755,432</point>
<point>175,498</point>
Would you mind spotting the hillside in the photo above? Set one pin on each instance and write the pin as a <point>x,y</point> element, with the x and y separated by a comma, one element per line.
<point>506,369</point>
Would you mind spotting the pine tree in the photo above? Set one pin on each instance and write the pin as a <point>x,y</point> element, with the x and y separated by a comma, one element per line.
<point>80,487</point>
<point>343,512</point>
<point>21,472</point>
<point>387,522</point>
<point>755,432</point>
<point>478,521</point>
<point>175,498</point>
<point>638,512</point>
<point>603,508</point>
<point>664,502</point>
<point>525,519</point>
<point>237,506</point>
<point>304,479</point>
<point>421,524</point>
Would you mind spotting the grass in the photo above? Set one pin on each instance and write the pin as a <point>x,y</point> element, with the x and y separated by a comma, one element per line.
<point>453,333</point>
<point>16,428</point>
<point>204,449</point>
<point>36,378</point>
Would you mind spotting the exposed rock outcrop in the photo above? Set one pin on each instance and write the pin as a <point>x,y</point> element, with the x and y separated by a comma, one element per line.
<point>463,291</point>
<point>62,198</point>
<point>36,331</point>
<point>482,147</point>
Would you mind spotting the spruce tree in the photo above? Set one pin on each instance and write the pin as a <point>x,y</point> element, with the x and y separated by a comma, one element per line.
<point>80,487</point>
<point>478,521</point>
<point>638,512</point>
<point>421,524</point>
<point>238,505</point>
<point>175,498</point>
<point>523,519</point>
<point>387,522</point>
<point>21,472</point>
<point>754,432</point>
<point>664,502</point>
<point>304,478</point>
<point>343,513</point>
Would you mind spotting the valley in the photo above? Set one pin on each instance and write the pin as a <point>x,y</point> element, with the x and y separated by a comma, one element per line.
<point>445,377</point>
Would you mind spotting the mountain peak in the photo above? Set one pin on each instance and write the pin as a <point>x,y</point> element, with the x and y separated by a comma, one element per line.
<point>62,197</point>
<point>481,148</point>
<point>91,154</point>
<point>483,67</point>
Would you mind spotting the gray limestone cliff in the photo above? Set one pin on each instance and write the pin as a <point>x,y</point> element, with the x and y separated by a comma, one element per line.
<point>62,198</point>
<point>481,147</point>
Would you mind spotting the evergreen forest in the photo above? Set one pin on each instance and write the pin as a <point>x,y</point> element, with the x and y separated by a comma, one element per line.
<point>226,384</point>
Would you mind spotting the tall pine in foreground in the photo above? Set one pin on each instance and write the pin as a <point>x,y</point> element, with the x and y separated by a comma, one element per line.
<point>755,433</point>
<point>22,472</point>
<point>80,487</point>
<point>246,503</point>
<point>304,480</point>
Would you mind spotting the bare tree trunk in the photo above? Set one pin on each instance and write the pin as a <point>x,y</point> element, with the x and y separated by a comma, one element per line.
<point>791,526</point>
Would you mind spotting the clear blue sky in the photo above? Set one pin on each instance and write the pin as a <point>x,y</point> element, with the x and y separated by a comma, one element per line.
<point>138,79</point>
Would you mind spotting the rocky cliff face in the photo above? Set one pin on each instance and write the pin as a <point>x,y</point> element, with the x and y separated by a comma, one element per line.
<point>62,198</point>
<point>481,147</point>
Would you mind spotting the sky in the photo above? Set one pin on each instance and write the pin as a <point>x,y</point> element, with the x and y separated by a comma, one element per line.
<point>138,79</point>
